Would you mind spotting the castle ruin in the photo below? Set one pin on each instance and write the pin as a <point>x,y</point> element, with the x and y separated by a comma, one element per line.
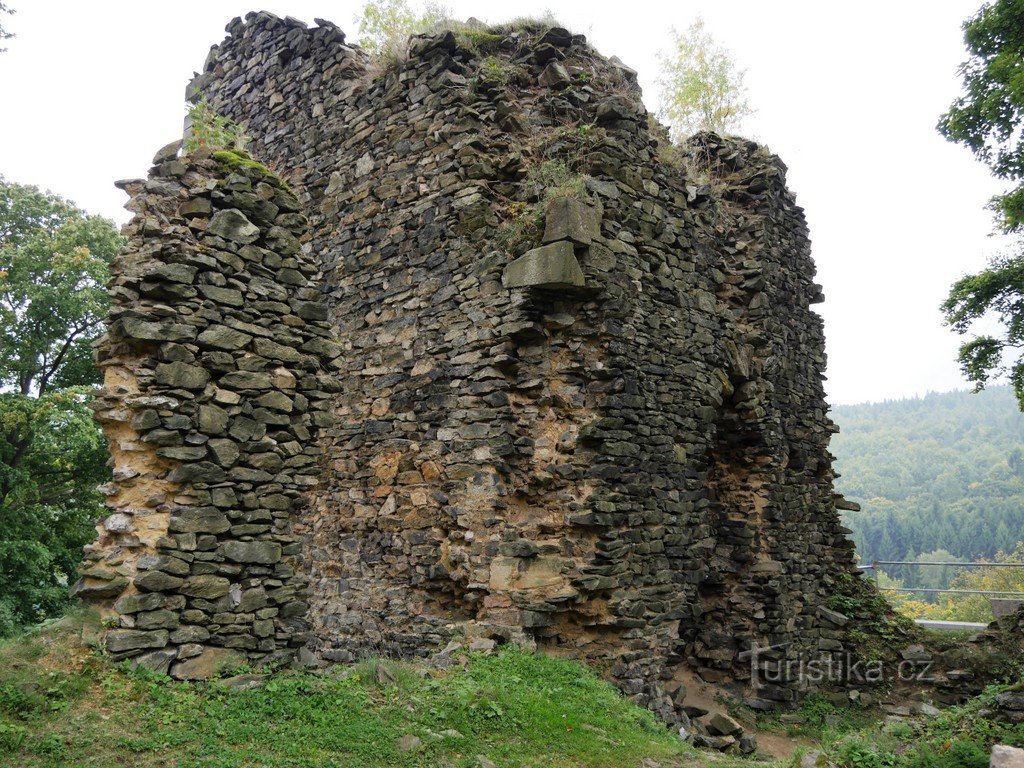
<point>476,354</point>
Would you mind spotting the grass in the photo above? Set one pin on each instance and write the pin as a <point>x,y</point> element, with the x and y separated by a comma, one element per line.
<point>819,720</point>
<point>500,72</point>
<point>63,703</point>
<point>525,222</point>
<point>961,737</point>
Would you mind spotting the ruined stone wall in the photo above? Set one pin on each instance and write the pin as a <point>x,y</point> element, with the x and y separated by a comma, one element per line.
<point>579,382</point>
<point>216,372</point>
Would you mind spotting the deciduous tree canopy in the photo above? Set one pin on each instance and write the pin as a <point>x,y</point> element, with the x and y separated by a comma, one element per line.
<point>987,119</point>
<point>53,267</point>
<point>4,34</point>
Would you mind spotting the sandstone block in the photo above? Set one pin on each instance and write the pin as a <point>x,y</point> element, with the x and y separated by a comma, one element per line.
<point>157,661</point>
<point>150,601</point>
<point>146,330</point>
<point>199,520</point>
<point>207,586</point>
<point>181,375</point>
<point>197,472</point>
<point>125,641</point>
<point>157,581</point>
<point>1004,756</point>
<point>160,619</point>
<point>222,337</point>
<point>89,589</point>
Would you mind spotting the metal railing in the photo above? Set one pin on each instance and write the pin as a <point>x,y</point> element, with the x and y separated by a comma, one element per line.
<point>874,567</point>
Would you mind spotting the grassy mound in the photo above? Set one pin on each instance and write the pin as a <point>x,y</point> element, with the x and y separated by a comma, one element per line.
<point>62,703</point>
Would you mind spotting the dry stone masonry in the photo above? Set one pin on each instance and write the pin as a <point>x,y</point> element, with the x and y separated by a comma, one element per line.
<point>217,367</point>
<point>570,394</point>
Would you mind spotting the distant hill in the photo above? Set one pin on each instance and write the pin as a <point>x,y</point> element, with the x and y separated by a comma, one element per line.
<point>945,471</point>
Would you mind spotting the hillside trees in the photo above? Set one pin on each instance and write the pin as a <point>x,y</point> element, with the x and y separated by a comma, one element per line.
<point>933,473</point>
<point>987,119</point>
<point>53,266</point>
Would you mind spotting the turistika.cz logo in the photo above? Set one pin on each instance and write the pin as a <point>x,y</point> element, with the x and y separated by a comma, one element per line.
<point>769,665</point>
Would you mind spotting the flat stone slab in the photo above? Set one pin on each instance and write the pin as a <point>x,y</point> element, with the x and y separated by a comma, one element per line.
<point>550,266</point>
<point>1004,606</point>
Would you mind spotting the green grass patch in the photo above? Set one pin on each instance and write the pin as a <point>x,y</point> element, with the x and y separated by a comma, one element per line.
<point>818,719</point>
<point>62,703</point>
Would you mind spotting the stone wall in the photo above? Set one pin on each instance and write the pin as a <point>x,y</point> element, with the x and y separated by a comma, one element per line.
<point>580,398</point>
<point>216,369</point>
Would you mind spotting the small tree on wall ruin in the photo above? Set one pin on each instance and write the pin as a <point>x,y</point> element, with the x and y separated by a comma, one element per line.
<point>701,87</point>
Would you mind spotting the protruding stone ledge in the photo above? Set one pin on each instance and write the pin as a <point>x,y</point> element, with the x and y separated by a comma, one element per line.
<point>550,266</point>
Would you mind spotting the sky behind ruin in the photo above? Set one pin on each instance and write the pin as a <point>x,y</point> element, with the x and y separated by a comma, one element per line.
<point>847,94</point>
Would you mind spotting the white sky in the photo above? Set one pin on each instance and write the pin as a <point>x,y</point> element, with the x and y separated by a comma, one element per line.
<point>847,94</point>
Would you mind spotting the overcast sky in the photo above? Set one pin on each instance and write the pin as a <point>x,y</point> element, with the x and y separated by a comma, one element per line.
<point>847,94</point>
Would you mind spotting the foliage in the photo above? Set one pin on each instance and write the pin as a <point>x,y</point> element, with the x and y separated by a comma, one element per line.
<point>210,131</point>
<point>924,577</point>
<point>964,607</point>
<point>819,719</point>
<point>515,708</point>
<point>988,116</point>
<point>534,24</point>
<point>976,607</point>
<point>496,71</point>
<point>557,179</point>
<point>4,34</point>
<point>525,223</point>
<point>996,291</point>
<point>524,226</point>
<point>906,603</point>
<point>53,270</point>
<point>960,737</point>
<point>52,457</point>
<point>701,88</point>
<point>53,267</point>
<point>987,120</point>
<point>385,26</point>
<point>479,39</point>
<point>945,471</point>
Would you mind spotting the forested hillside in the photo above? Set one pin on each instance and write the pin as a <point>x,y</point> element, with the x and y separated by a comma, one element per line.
<point>945,471</point>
